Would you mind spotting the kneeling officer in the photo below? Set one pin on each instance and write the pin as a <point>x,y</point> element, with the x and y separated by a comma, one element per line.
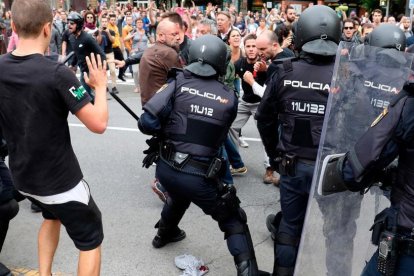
<point>190,117</point>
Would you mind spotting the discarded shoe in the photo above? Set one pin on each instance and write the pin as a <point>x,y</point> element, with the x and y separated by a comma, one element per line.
<point>191,265</point>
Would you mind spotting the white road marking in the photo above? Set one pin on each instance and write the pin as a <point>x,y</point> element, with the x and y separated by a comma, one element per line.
<point>137,130</point>
<point>110,128</point>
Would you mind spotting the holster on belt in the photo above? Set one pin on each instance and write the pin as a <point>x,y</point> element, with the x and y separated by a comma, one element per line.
<point>184,162</point>
<point>287,164</point>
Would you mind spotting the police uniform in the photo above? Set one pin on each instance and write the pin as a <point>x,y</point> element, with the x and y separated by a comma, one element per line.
<point>192,116</point>
<point>390,136</point>
<point>290,118</point>
<point>295,100</point>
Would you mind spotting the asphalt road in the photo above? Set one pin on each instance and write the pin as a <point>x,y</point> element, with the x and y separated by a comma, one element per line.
<point>111,164</point>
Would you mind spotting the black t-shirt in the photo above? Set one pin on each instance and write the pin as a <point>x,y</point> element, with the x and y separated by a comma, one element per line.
<point>36,95</point>
<point>83,46</point>
<point>65,37</point>
<point>241,67</point>
<point>108,47</point>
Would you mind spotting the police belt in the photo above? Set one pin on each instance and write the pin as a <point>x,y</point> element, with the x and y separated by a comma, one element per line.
<point>406,246</point>
<point>185,163</point>
<point>307,161</point>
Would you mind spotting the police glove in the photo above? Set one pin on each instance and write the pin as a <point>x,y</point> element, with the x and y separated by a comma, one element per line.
<point>152,153</point>
<point>388,176</point>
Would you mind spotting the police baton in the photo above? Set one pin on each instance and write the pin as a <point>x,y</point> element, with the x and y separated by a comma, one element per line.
<point>121,102</point>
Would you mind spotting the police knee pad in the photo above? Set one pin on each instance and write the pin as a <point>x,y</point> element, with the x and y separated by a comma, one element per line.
<point>235,228</point>
<point>227,206</point>
<point>285,239</point>
<point>9,210</point>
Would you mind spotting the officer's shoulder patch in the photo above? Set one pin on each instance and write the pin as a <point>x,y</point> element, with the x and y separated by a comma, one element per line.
<point>162,88</point>
<point>379,118</point>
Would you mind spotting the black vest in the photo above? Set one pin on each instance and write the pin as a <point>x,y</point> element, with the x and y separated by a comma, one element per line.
<point>303,90</point>
<point>397,126</point>
<point>402,194</point>
<point>202,114</point>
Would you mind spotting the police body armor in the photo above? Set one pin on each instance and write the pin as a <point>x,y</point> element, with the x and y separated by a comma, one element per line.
<point>402,199</point>
<point>303,94</point>
<point>201,117</point>
<point>360,160</point>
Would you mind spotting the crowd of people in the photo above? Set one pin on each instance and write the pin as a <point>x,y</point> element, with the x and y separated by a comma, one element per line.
<point>161,49</point>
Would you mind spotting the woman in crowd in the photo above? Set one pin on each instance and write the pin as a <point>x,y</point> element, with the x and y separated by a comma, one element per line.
<point>234,42</point>
<point>90,22</point>
<point>139,44</point>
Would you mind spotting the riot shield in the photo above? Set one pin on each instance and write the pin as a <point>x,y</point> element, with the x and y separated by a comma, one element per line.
<point>336,238</point>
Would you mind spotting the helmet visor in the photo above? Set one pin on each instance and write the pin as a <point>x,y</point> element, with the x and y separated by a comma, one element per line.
<point>320,47</point>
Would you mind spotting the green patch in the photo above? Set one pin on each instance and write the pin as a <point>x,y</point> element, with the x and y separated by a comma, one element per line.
<point>78,93</point>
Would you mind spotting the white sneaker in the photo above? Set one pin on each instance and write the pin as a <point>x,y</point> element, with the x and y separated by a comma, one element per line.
<point>243,143</point>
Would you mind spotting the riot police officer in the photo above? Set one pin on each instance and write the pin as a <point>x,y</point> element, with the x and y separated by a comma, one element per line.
<point>191,116</point>
<point>8,204</point>
<point>390,136</point>
<point>289,119</point>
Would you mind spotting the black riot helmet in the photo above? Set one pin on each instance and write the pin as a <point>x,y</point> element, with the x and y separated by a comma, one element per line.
<point>207,56</point>
<point>387,36</point>
<point>318,31</point>
<point>77,19</point>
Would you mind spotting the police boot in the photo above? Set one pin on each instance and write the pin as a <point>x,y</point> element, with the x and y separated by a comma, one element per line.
<point>272,223</point>
<point>283,271</point>
<point>285,249</point>
<point>246,265</point>
<point>167,234</point>
<point>4,271</point>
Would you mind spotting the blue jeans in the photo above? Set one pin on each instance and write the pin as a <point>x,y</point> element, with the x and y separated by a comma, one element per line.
<point>227,177</point>
<point>405,266</point>
<point>237,84</point>
<point>233,154</point>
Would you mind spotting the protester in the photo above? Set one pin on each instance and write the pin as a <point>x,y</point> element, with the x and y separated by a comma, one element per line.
<point>54,181</point>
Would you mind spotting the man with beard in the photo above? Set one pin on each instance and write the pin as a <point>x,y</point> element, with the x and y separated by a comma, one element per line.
<point>248,104</point>
<point>349,33</point>
<point>154,66</point>
<point>159,59</point>
<point>290,16</point>
<point>83,45</point>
